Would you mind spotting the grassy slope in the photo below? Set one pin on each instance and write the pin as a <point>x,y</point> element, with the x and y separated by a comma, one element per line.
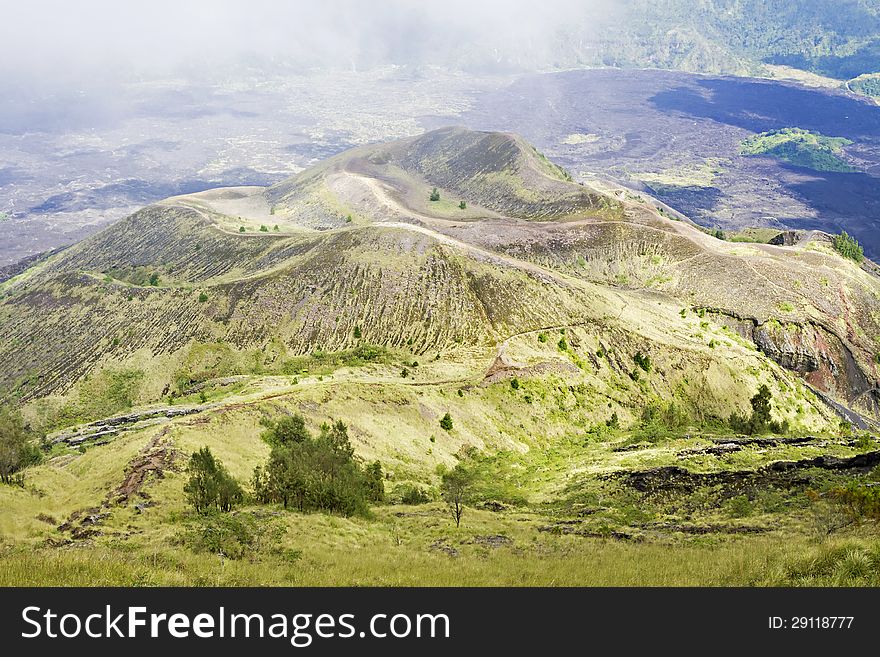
<point>454,292</point>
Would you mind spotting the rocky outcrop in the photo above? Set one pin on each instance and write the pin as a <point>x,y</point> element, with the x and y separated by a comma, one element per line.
<point>824,360</point>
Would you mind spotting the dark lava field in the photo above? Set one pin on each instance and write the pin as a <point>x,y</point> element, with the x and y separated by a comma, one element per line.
<point>637,123</point>
<point>674,135</point>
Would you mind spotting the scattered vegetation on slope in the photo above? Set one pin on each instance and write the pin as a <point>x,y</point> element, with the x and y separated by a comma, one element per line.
<point>848,247</point>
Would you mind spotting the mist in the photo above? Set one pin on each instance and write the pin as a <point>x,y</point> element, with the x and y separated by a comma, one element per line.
<point>99,41</point>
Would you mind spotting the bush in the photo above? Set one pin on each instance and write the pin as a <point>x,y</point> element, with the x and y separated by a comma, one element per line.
<point>858,502</point>
<point>203,297</point>
<point>760,420</point>
<point>643,361</point>
<point>210,486</point>
<point>848,247</point>
<point>286,431</point>
<point>16,449</point>
<point>357,332</point>
<point>235,536</point>
<point>154,279</point>
<point>462,205</point>
<point>221,533</point>
<point>411,494</point>
<point>319,473</point>
<point>562,344</point>
<point>241,229</point>
<point>264,229</point>
<point>446,422</point>
<point>435,195</point>
<point>514,383</point>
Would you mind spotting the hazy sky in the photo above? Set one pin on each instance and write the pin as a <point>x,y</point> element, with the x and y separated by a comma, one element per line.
<point>56,40</point>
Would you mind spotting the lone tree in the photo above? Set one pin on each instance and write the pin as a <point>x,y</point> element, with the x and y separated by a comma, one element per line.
<point>760,420</point>
<point>455,489</point>
<point>210,485</point>
<point>435,195</point>
<point>16,450</point>
<point>446,422</point>
<point>462,205</point>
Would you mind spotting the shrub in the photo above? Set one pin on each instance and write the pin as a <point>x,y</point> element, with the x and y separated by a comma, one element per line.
<point>514,383</point>
<point>411,494</point>
<point>613,422</point>
<point>848,247</point>
<point>760,419</point>
<point>16,449</point>
<point>235,536</point>
<point>542,338</point>
<point>316,473</point>
<point>462,205</point>
<point>740,506</point>
<point>210,486</point>
<point>446,422</point>
<point>203,297</point>
<point>374,480</point>
<point>154,279</point>
<point>286,431</point>
<point>858,502</point>
<point>435,195</point>
<point>562,344</point>
<point>404,373</point>
<point>643,361</point>
<point>357,332</point>
<point>241,229</point>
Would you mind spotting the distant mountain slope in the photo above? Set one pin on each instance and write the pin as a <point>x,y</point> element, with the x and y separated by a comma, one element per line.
<point>835,38</point>
<point>353,256</point>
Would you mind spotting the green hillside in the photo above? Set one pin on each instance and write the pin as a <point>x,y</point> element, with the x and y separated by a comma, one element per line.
<point>620,388</point>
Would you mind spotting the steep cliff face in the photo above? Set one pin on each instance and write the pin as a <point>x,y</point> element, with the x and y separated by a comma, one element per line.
<point>817,354</point>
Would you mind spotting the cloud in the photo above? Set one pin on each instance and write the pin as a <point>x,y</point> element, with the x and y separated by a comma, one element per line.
<point>101,40</point>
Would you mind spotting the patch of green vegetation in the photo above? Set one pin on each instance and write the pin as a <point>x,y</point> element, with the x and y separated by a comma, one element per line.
<point>210,486</point>
<point>752,235</point>
<point>323,363</point>
<point>108,392</point>
<point>800,148</point>
<point>17,448</point>
<point>848,247</point>
<point>318,473</point>
<point>867,85</point>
